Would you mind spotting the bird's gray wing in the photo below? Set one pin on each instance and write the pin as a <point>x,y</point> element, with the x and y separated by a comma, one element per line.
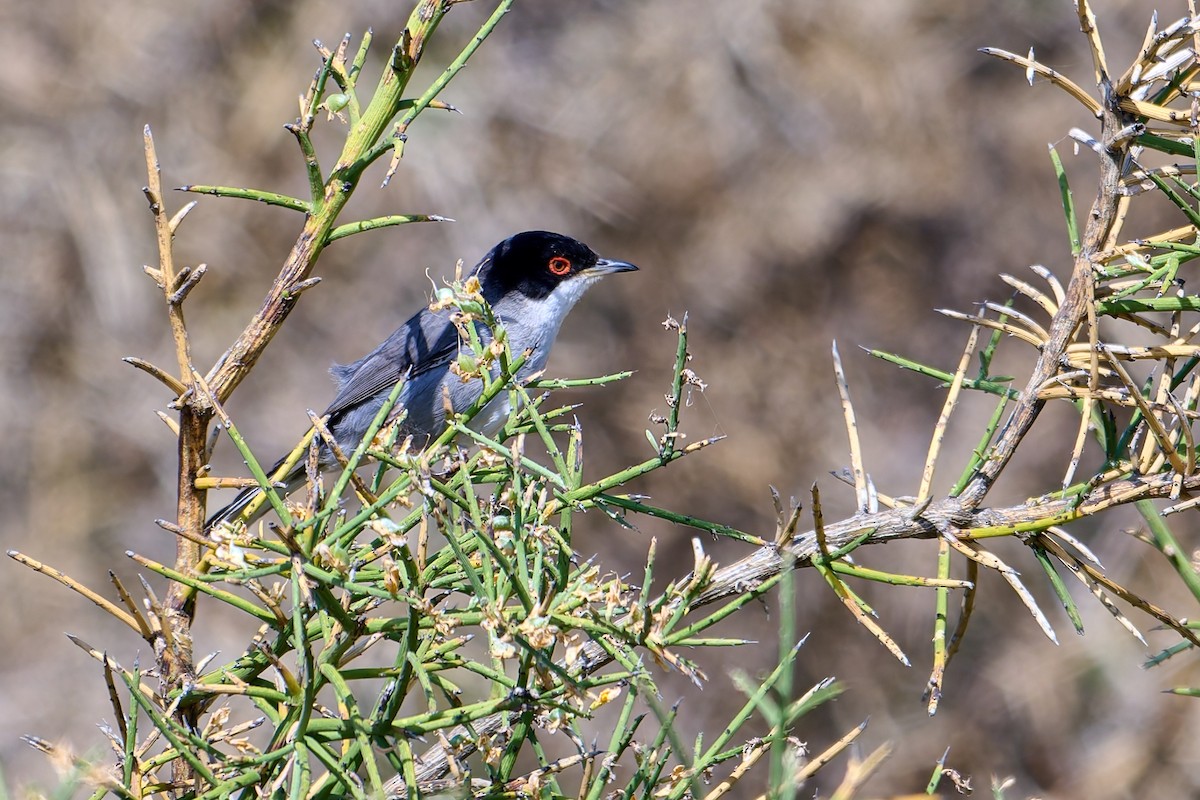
<point>427,341</point>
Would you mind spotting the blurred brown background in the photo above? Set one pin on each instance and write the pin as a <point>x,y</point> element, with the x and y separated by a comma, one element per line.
<point>787,172</point>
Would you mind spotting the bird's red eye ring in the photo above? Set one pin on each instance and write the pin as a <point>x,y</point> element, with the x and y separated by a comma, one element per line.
<point>559,265</point>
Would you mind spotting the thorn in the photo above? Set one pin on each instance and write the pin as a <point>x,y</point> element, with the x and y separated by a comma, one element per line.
<point>187,281</point>
<point>170,423</point>
<point>172,383</point>
<point>181,213</point>
<point>914,512</point>
<point>296,288</point>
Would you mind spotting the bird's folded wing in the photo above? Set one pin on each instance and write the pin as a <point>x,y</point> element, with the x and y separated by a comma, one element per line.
<point>424,343</point>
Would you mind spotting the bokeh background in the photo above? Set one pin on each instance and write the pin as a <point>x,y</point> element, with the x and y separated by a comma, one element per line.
<point>787,172</point>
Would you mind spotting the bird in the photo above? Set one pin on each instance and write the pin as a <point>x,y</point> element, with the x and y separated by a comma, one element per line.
<point>531,280</point>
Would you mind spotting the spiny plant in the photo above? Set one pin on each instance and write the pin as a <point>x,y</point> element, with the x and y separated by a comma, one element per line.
<point>445,610</point>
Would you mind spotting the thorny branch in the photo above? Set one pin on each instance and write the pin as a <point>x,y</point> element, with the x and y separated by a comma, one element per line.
<point>1155,457</point>
<point>1078,305</point>
<point>1123,111</point>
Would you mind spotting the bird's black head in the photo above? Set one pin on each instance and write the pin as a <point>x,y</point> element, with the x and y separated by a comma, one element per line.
<point>535,263</point>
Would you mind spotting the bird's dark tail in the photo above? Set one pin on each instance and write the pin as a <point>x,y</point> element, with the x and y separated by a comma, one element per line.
<point>292,481</point>
<point>230,512</point>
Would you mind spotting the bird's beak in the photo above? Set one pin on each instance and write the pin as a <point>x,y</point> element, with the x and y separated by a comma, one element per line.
<point>606,266</point>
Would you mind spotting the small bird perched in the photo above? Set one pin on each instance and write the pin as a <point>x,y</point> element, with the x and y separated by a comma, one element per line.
<point>530,280</point>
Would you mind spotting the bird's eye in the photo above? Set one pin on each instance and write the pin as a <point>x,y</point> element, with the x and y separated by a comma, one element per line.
<point>559,265</point>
